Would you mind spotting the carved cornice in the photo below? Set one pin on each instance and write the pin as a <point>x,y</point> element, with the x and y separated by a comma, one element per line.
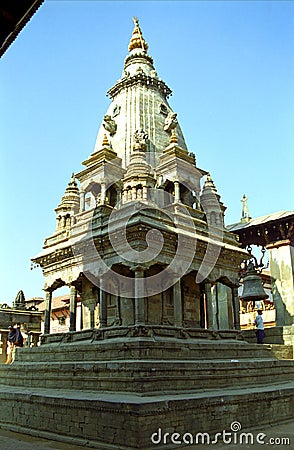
<point>140,79</point>
<point>57,255</point>
<point>107,242</point>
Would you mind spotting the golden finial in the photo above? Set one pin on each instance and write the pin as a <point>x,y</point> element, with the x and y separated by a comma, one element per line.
<point>209,182</point>
<point>137,40</point>
<point>105,142</point>
<point>173,137</point>
<point>72,180</point>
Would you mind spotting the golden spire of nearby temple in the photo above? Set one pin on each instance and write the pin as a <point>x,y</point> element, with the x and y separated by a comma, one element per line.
<point>137,40</point>
<point>72,181</point>
<point>105,142</point>
<point>173,137</point>
<point>209,183</point>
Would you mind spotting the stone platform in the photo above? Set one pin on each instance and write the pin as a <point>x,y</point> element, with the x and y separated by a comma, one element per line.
<point>115,392</point>
<point>273,335</point>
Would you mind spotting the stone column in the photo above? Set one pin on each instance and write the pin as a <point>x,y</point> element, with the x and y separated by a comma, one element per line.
<point>145,193</point>
<point>209,306</point>
<point>134,193</point>
<point>72,308</point>
<point>118,319</point>
<point>163,307</point>
<point>103,307</point>
<point>103,192</point>
<point>58,222</point>
<point>139,296</point>
<point>47,312</point>
<point>177,191</point>
<point>178,307</point>
<point>223,296</point>
<point>90,304</point>
<point>236,307</point>
<point>82,201</point>
<point>81,317</point>
<point>118,195</point>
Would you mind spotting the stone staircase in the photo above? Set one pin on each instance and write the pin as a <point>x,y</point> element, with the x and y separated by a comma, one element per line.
<point>115,393</point>
<point>146,365</point>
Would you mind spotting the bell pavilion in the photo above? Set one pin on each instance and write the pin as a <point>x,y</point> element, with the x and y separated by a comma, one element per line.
<point>140,238</point>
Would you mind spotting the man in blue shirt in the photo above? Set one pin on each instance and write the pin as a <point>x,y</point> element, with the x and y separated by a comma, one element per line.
<point>260,327</point>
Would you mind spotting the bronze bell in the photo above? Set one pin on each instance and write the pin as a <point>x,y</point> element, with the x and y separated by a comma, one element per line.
<point>252,286</point>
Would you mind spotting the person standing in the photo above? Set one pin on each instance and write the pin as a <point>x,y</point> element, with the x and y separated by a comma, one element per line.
<point>15,340</point>
<point>10,344</point>
<point>18,336</point>
<point>260,327</point>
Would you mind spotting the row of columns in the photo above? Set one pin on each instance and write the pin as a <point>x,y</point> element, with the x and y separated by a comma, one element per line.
<point>139,305</point>
<point>72,309</point>
<point>135,193</point>
<point>128,194</point>
<point>102,196</point>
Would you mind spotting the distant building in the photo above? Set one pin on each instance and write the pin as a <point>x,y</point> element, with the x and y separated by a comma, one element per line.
<point>60,315</point>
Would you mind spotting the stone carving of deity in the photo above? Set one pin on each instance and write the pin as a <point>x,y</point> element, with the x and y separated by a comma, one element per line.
<point>170,122</point>
<point>140,138</point>
<point>109,125</point>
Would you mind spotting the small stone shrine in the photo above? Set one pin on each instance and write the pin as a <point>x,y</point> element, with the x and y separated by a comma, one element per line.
<point>142,242</point>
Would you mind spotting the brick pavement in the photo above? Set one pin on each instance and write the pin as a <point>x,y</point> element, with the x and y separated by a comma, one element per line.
<point>11,440</point>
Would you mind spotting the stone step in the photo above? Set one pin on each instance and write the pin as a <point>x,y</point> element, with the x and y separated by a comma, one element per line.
<point>147,376</point>
<point>143,348</point>
<point>117,421</point>
<point>282,351</point>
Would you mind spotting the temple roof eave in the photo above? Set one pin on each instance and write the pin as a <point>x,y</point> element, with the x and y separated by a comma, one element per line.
<point>171,164</point>
<point>266,230</point>
<point>106,166</point>
<point>143,217</point>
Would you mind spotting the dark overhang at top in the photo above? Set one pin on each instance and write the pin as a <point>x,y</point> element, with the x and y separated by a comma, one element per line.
<point>14,15</point>
<point>266,230</point>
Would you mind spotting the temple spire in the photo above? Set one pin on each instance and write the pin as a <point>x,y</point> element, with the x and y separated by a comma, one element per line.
<point>137,40</point>
<point>245,210</point>
<point>139,100</point>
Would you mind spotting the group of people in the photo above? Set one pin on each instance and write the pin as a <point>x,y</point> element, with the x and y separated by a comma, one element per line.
<point>14,340</point>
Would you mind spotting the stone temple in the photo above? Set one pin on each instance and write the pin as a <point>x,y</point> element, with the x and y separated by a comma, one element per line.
<point>140,237</point>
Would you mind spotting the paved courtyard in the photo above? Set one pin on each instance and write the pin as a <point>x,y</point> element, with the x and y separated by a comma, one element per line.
<point>279,436</point>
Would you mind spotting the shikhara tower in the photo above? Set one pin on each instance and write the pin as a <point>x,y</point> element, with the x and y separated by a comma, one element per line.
<point>157,342</point>
<point>139,102</point>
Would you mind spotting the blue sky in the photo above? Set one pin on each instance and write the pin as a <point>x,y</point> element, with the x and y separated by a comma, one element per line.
<point>231,68</point>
